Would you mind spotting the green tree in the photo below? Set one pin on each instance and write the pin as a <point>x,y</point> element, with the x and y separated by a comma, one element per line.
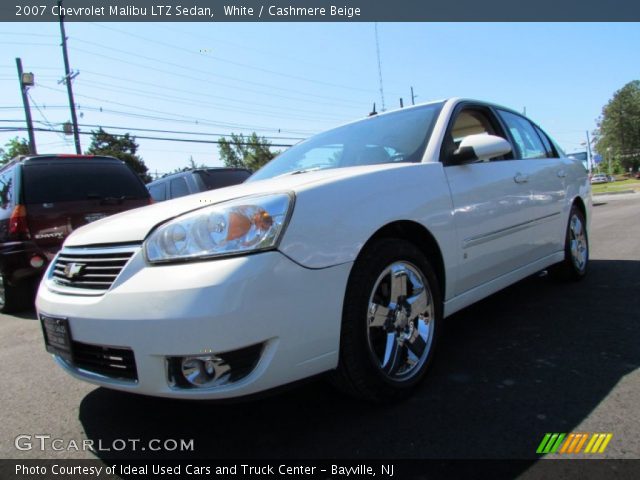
<point>618,134</point>
<point>14,147</point>
<point>123,147</point>
<point>251,152</point>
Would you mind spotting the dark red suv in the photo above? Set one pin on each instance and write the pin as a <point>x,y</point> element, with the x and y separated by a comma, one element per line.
<point>43,198</point>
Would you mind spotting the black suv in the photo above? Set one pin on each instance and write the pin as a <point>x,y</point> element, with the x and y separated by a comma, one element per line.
<point>43,198</point>
<point>193,181</point>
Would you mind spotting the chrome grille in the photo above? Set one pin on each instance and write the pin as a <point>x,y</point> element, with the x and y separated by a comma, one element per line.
<point>90,269</point>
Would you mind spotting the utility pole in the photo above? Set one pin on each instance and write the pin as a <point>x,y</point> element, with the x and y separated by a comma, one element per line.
<point>68,76</point>
<point>413,97</point>
<point>24,85</point>
<point>589,157</point>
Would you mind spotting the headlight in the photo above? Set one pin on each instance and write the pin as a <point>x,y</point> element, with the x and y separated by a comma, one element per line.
<point>243,225</point>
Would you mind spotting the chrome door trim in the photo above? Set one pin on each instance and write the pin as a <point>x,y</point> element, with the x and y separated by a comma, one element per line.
<point>487,237</point>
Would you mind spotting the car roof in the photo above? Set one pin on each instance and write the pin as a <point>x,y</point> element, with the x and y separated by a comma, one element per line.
<point>55,157</point>
<point>169,176</point>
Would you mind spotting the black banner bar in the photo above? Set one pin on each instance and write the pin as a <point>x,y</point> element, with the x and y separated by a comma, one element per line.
<point>319,11</point>
<point>322,469</point>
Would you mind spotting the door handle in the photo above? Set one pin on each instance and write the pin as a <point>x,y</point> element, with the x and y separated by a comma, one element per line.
<point>521,178</point>
<point>562,173</point>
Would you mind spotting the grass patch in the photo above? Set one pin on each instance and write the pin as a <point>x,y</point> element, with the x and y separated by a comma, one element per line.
<point>630,184</point>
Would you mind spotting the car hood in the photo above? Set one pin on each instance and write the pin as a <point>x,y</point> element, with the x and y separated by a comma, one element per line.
<point>133,226</point>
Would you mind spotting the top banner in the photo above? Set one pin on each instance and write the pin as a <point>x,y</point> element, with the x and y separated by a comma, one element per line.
<point>319,11</point>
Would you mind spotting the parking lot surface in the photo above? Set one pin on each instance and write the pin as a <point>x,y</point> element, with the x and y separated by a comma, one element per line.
<point>538,357</point>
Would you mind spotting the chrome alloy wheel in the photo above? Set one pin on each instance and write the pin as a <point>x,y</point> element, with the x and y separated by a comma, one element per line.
<point>400,321</point>
<point>3,292</point>
<point>578,245</point>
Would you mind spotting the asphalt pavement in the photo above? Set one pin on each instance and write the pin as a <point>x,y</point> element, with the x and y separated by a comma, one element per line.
<point>538,357</point>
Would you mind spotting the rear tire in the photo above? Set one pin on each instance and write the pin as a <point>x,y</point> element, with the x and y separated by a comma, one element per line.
<point>576,249</point>
<point>390,322</point>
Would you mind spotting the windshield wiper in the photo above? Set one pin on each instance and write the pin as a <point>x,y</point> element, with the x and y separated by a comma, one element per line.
<point>302,170</point>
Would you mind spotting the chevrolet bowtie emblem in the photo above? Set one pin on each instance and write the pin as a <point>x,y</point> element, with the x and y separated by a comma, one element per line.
<point>73,270</point>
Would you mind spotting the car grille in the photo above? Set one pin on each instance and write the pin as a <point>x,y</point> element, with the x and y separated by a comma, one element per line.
<point>118,363</point>
<point>90,269</point>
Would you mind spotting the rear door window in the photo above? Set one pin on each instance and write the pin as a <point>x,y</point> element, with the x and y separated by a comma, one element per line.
<point>524,135</point>
<point>179,187</point>
<point>547,143</point>
<point>74,181</point>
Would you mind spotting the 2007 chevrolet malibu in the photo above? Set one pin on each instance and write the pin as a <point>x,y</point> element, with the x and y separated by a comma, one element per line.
<point>343,254</point>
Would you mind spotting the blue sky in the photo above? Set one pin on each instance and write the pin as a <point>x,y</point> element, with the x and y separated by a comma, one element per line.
<point>290,80</point>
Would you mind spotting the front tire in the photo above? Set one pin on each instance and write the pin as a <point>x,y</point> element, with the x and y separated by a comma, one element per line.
<point>390,322</point>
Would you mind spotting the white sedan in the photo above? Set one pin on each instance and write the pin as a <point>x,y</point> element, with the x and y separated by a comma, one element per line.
<point>344,254</point>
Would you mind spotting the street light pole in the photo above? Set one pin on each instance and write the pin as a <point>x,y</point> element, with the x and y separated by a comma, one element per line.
<point>589,155</point>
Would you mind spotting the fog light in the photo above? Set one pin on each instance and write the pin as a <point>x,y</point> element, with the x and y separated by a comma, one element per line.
<point>36,261</point>
<point>212,370</point>
<point>204,371</point>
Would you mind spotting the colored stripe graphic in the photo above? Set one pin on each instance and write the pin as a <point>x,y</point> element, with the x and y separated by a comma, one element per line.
<point>573,442</point>
<point>551,442</point>
<point>582,440</point>
<point>606,442</point>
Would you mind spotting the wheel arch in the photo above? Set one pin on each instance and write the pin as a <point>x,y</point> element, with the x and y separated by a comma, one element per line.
<point>578,202</point>
<point>421,237</point>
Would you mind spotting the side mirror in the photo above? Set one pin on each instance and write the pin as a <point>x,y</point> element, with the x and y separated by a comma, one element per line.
<point>480,148</point>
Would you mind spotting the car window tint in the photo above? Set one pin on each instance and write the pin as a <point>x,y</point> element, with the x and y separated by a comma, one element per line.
<point>6,189</point>
<point>179,187</point>
<point>524,135</point>
<point>367,142</point>
<point>547,143</point>
<point>74,181</point>
<point>213,178</point>
<point>158,191</point>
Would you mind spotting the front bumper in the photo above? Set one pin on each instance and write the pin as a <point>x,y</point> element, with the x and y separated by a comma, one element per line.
<point>211,306</point>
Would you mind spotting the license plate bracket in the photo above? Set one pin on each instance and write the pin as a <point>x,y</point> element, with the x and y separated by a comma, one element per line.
<point>57,336</point>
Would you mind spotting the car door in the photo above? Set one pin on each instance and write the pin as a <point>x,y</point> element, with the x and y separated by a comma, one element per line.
<point>546,182</point>
<point>492,202</point>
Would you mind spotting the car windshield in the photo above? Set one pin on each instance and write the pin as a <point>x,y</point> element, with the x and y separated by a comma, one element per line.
<point>395,137</point>
<point>61,181</point>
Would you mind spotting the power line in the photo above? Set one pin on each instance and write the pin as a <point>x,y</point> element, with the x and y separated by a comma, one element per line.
<point>271,53</point>
<point>209,74</point>
<point>193,119</point>
<point>29,34</point>
<point>197,94</point>
<point>255,128</point>
<point>186,140</point>
<point>232,62</point>
<point>29,44</point>
<point>231,108</point>
<point>136,129</point>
